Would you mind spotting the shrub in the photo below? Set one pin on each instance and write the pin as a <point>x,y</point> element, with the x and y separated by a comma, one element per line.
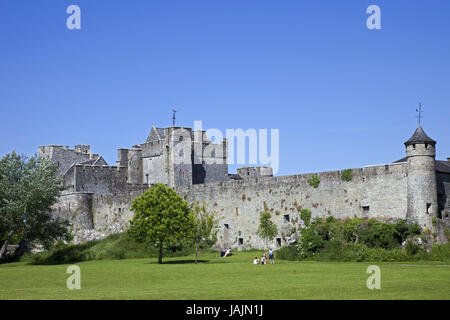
<point>289,253</point>
<point>347,175</point>
<point>314,181</point>
<point>305,215</point>
<point>412,248</point>
<point>362,240</point>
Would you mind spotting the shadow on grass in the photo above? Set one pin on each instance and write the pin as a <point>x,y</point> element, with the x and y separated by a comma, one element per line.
<point>180,262</point>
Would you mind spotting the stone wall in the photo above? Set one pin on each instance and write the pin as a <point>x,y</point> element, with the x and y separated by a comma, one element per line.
<point>64,157</point>
<point>75,207</point>
<point>374,192</point>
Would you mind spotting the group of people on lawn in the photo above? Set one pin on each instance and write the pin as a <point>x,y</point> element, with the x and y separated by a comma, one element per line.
<point>264,258</point>
<point>227,252</point>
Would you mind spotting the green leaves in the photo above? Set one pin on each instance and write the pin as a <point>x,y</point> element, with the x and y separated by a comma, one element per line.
<point>314,181</point>
<point>347,175</point>
<point>161,217</point>
<point>28,189</point>
<point>305,215</point>
<point>267,229</point>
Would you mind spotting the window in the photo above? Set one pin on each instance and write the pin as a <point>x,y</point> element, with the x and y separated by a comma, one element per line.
<point>365,209</point>
<point>146,178</point>
<point>181,138</point>
<point>120,210</point>
<point>241,241</point>
<point>428,208</point>
<point>279,242</point>
<point>414,146</point>
<point>226,226</point>
<point>286,218</point>
<point>426,145</point>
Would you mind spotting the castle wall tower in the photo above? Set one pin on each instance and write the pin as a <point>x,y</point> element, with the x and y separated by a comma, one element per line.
<point>178,156</point>
<point>422,188</point>
<point>122,158</point>
<point>135,165</point>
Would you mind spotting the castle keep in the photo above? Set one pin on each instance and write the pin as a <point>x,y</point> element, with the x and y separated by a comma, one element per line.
<point>98,196</point>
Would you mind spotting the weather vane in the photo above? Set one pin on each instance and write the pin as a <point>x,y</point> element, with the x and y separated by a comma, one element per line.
<point>173,117</point>
<point>419,111</point>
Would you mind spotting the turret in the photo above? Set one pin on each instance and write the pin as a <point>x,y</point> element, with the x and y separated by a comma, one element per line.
<point>135,165</point>
<point>122,158</point>
<point>422,188</point>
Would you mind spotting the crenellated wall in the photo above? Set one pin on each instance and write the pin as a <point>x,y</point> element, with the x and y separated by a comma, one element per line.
<point>374,192</point>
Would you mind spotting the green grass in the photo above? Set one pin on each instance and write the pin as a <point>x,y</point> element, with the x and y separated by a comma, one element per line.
<point>234,277</point>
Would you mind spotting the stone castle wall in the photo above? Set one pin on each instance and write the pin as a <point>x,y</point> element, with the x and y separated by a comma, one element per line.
<point>374,192</point>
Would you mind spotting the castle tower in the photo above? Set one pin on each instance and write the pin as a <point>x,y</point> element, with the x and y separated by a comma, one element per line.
<point>134,156</point>
<point>422,188</point>
<point>178,156</point>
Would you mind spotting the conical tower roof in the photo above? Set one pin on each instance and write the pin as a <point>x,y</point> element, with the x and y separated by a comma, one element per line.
<point>419,136</point>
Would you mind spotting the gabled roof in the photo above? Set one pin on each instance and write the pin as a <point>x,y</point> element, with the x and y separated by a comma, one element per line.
<point>155,134</point>
<point>419,136</point>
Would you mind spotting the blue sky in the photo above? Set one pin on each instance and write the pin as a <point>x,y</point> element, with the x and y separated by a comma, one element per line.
<point>342,96</point>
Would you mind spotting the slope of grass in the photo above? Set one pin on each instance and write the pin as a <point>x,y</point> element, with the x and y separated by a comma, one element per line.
<point>116,246</point>
<point>233,277</point>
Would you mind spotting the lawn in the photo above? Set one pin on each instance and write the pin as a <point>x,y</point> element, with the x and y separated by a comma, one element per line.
<point>234,277</point>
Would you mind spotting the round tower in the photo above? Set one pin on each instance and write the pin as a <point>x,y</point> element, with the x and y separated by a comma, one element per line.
<point>422,188</point>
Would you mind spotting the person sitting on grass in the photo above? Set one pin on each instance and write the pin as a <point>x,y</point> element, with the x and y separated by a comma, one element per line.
<point>228,253</point>
<point>256,261</point>
<point>222,253</point>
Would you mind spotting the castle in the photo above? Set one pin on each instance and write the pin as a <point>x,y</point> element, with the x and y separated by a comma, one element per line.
<point>98,196</point>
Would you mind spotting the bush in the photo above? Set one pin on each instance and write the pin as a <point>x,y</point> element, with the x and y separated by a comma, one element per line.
<point>361,240</point>
<point>314,181</point>
<point>305,215</point>
<point>347,175</point>
<point>289,253</point>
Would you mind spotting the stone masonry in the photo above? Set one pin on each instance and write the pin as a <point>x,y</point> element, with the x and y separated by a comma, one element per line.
<point>98,196</point>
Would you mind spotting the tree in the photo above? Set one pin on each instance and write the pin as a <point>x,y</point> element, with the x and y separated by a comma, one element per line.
<point>305,215</point>
<point>204,225</point>
<point>161,218</point>
<point>28,189</point>
<point>267,229</point>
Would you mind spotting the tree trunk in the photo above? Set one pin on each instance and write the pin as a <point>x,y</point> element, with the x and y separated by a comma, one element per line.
<point>5,244</point>
<point>160,253</point>
<point>196,250</point>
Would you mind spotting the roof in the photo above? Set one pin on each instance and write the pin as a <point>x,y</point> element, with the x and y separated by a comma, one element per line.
<point>442,166</point>
<point>156,134</point>
<point>419,136</point>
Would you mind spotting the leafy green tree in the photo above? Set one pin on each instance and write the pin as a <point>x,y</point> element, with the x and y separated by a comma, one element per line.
<point>28,189</point>
<point>305,215</point>
<point>267,229</point>
<point>161,218</point>
<point>205,226</point>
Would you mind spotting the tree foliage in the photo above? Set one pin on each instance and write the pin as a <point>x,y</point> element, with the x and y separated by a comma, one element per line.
<point>305,215</point>
<point>314,181</point>
<point>205,225</point>
<point>28,189</point>
<point>347,175</point>
<point>267,229</point>
<point>161,218</point>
